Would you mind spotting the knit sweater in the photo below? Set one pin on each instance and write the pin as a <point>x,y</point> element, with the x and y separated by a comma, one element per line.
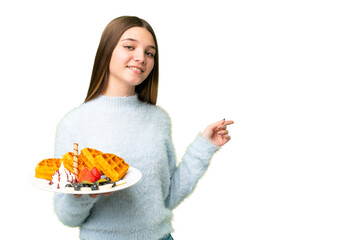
<point>140,133</point>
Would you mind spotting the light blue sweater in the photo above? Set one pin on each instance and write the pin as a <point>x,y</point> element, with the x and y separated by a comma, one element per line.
<point>141,134</point>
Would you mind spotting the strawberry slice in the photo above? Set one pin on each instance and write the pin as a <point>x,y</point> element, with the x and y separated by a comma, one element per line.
<point>82,174</point>
<point>96,173</point>
<point>89,176</point>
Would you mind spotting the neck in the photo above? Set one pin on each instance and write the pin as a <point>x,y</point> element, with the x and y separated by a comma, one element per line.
<point>118,89</point>
<point>117,103</point>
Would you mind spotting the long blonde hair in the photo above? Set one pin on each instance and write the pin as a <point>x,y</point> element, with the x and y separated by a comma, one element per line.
<point>147,90</point>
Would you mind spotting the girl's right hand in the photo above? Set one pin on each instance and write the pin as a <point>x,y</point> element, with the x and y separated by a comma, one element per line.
<point>93,195</point>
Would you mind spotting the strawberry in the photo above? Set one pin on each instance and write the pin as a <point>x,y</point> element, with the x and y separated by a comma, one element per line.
<point>96,173</point>
<point>89,176</point>
<point>82,174</point>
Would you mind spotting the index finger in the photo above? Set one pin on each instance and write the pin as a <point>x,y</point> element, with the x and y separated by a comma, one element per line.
<point>229,122</point>
<point>217,124</point>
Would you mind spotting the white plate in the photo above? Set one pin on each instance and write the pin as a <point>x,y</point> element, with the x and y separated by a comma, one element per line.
<point>131,177</point>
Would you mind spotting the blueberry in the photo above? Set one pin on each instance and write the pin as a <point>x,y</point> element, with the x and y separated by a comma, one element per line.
<point>77,187</point>
<point>94,187</point>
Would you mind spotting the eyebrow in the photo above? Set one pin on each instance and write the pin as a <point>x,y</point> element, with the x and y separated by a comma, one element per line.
<point>134,40</point>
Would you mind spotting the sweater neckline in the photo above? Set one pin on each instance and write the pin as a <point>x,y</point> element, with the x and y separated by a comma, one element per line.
<point>115,102</point>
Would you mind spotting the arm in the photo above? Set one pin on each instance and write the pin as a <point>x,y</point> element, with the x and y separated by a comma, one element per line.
<point>185,176</point>
<point>195,161</point>
<point>70,210</point>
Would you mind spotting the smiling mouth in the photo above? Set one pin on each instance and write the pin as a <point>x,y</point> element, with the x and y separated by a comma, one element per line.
<point>136,69</point>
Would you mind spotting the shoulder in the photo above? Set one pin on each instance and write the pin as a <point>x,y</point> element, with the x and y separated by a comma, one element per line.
<point>71,118</point>
<point>160,114</point>
<point>157,116</point>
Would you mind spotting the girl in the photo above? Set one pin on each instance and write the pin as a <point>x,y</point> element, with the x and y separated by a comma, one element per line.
<point>120,116</point>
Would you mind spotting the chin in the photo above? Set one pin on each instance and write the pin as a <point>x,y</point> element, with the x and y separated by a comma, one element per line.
<point>136,82</point>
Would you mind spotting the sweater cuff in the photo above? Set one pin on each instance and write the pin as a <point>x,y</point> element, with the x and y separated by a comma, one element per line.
<point>71,201</point>
<point>205,146</point>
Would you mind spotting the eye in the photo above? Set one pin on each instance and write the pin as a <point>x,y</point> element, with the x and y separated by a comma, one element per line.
<point>129,47</point>
<point>150,54</point>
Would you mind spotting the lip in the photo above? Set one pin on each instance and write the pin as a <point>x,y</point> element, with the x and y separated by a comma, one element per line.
<point>136,69</point>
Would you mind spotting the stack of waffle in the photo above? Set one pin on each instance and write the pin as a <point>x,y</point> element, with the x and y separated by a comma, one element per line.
<point>47,167</point>
<point>111,165</point>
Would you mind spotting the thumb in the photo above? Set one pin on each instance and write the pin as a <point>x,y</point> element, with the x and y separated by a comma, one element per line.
<point>209,130</point>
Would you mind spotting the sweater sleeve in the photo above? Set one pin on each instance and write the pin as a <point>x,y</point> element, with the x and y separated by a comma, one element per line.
<point>71,211</point>
<point>65,134</point>
<point>185,176</point>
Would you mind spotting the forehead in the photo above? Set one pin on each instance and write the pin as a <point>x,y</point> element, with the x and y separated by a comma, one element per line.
<point>138,34</point>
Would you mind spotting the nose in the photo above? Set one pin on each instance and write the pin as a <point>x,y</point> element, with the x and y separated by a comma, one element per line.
<point>139,56</point>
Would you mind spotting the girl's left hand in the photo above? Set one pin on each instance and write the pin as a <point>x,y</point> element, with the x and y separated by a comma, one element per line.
<point>217,132</point>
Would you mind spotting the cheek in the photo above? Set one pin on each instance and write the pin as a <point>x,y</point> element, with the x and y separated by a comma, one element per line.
<point>150,66</point>
<point>118,60</point>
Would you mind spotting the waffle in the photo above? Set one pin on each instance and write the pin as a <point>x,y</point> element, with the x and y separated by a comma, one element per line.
<point>111,165</point>
<point>68,160</point>
<point>88,156</point>
<point>47,167</point>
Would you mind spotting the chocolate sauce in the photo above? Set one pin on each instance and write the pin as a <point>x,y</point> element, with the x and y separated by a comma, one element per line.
<point>58,185</point>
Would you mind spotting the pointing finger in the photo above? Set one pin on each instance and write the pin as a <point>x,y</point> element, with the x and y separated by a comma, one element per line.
<point>228,122</point>
<point>217,124</point>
